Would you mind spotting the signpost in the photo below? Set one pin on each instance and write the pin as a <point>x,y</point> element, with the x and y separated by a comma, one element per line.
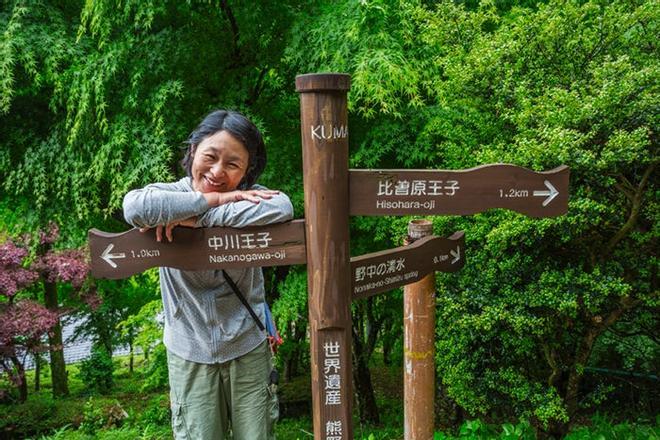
<point>324,128</point>
<point>122,255</point>
<point>462,192</point>
<point>322,241</point>
<point>419,347</point>
<point>386,270</point>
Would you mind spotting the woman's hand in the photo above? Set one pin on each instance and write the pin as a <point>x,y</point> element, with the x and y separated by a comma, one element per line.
<point>253,195</point>
<point>189,223</point>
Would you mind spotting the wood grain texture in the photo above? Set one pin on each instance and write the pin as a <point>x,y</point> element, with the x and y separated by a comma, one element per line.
<point>406,264</point>
<point>324,130</point>
<point>124,254</point>
<point>459,192</point>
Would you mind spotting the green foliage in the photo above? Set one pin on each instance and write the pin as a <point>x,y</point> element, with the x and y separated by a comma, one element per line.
<point>447,86</point>
<point>96,96</point>
<point>157,412</point>
<point>147,333</point>
<point>156,373</point>
<point>604,429</point>
<point>290,315</point>
<point>96,372</point>
<point>15,421</point>
<point>98,416</point>
<point>96,111</point>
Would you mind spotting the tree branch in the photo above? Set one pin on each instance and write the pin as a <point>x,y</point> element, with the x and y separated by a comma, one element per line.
<point>236,53</point>
<point>258,87</point>
<point>634,210</point>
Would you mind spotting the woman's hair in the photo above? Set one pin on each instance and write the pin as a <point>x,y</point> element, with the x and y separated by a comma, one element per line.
<point>239,127</point>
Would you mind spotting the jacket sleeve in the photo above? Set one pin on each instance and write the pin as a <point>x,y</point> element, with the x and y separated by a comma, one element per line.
<point>245,213</point>
<point>162,203</point>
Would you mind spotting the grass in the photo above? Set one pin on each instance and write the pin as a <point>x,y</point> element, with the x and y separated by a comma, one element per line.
<point>129,413</point>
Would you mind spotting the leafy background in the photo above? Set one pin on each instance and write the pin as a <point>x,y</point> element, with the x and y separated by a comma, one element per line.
<point>96,98</point>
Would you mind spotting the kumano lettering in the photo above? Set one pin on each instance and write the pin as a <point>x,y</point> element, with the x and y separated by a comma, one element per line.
<point>329,131</point>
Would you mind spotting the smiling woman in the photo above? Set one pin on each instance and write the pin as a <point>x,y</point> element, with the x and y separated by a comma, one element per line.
<point>219,163</point>
<point>218,359</point>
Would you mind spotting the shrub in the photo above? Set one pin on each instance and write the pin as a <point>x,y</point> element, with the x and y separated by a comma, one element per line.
<point>97,416</point>
<point>96,372</point>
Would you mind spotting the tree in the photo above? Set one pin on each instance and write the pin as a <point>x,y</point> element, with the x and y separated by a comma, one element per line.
<point>22,322</point>
<point>96,97</point>
<point>449,87</point>
<point>58,266</point>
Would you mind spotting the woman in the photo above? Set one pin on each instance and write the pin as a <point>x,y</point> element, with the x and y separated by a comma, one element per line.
<point>218,359</point>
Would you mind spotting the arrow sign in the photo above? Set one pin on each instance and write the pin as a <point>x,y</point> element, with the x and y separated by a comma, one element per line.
<point>550,194</point>
<point>108,257</point>
<point>387,270</point>
<point>456,254</point>
<point>121,255</point>
<point>460,192</point>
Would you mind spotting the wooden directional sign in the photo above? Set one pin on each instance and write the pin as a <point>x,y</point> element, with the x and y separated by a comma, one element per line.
<point>122,255</point>
<point>387,270</point>
<point>460,192</point>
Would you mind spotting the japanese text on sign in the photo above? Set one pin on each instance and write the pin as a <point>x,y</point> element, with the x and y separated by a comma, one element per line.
<point>333,430</point>
<point>391,266</point>
<point>331,373</point>
<point>417,188</point>
<point>240,241</point>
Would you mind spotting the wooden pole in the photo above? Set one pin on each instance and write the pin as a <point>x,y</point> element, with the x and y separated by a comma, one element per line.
<point>419,352</point>
<point>324,127</point>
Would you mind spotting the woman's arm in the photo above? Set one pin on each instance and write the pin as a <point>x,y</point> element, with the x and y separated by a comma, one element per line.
<point>163,203</point>
<point>275,209</point>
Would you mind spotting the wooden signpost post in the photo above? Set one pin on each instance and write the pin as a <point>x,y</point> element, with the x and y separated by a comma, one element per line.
<point>332,193</point>
<point>324,129</point>
<point>419,346</point>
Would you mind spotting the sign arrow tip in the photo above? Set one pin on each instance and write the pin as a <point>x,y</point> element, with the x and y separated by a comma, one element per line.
<point>551,193</point>
<point>456,254</point>
<point>107,256</point>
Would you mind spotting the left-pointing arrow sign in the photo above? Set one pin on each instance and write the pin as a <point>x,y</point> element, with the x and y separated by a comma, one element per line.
<point>108,257</point>
<point>196,249</point>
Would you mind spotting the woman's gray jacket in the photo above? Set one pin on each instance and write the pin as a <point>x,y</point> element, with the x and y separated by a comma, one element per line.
<point>205,322</point>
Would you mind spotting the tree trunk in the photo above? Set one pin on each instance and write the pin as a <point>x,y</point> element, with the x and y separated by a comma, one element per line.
<point>37,372</point>
<point>365,331</point>
<point>22,382</point>
<point>56,347</point>
<point>130,357</point>
<point>387,351</point>
<point>289,361</point>
<point>364,390</point>
<point>596,327</point>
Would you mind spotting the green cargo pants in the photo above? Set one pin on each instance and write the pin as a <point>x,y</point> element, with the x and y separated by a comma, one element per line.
<point>222,401</point>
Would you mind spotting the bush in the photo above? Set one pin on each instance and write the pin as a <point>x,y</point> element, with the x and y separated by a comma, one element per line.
<point>157,412</point>
<point>98,416</point>
<point>96,372</point>
<point>156,373</point>
<point>14,422</point>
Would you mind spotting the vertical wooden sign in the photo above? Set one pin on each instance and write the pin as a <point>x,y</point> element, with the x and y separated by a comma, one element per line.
<point>324,127</point>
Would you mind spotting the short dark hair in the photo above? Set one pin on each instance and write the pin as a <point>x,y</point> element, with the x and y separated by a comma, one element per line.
<point>239,127</point>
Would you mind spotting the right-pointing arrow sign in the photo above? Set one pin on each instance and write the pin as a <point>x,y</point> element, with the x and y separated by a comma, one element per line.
<point>550,194</point>
<point>456,254</point>
<point>459,192</point>
<point>386,270</point>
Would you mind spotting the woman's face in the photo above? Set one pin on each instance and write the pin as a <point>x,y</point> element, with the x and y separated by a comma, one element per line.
<point>219,163</point>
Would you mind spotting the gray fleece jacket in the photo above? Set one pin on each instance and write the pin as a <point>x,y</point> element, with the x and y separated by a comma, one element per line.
<point>204,320</point>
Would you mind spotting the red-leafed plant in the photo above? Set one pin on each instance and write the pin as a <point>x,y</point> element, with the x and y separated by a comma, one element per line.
<point>23,321</point>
